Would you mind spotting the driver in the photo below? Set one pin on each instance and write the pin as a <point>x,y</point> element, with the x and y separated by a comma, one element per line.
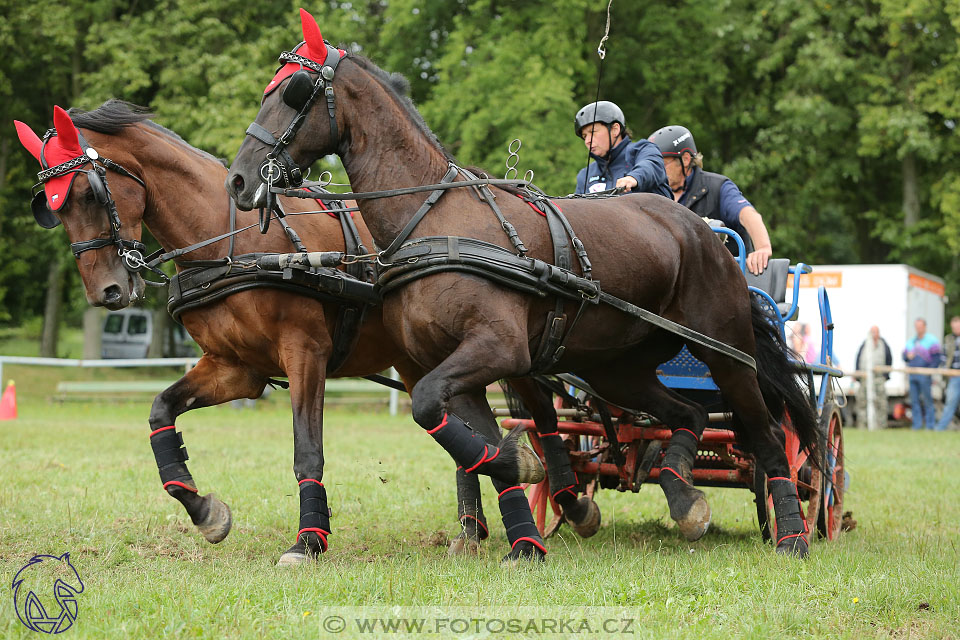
<point>711,195</point>
<point>617,162</point>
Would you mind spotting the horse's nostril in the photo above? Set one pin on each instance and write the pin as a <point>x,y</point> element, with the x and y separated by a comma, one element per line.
<point>238,183</point>
<point>112,294</point>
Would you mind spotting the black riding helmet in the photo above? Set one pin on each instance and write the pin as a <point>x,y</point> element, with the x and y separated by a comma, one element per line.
<point>603,111</point>
<point>674,140</point>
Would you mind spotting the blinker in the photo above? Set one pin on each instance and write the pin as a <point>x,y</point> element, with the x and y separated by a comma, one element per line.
<point>298,91</point>
<point>41,212</point>
<point>97,187</point>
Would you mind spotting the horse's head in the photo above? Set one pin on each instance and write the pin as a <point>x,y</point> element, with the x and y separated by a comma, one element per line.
<point>76,192</point>
<point>300,95</point>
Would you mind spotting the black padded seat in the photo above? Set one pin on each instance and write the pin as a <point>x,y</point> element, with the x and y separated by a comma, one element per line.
<point>773,281</point>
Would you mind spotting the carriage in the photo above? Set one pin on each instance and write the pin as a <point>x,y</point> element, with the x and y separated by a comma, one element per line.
<point>614,447</point>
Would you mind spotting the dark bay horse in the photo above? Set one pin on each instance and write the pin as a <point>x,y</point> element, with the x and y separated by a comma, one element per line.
<point>469,331</point>
<point>157,179</point>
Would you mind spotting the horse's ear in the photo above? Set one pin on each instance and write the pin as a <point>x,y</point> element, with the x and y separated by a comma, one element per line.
<point>313,37</point>
<point>66,130</point>
<point>29,139</point>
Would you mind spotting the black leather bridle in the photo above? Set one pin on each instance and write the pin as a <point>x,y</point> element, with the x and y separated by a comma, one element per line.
<point>300,94</point>
<point>130,251</point>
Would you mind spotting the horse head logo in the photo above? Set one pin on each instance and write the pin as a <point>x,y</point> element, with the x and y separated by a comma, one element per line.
<point>31,593</point>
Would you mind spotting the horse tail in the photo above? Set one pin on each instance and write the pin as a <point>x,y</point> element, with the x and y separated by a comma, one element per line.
<point>780,385</point>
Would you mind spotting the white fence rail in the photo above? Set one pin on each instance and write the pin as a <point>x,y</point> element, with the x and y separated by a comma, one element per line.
<point>186,363</point>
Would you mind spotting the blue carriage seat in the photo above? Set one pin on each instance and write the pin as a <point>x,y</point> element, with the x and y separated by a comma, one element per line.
<point>773,281</point>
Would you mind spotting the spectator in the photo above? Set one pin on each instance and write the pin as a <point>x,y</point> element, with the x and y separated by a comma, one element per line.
<point>872,353</point>
<point>802,343</point>
<point>922,350</point>
<point>951,348</point>
<point>617,161</point>
<point>712,195</point>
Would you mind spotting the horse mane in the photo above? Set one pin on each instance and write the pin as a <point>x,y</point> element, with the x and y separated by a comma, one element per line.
<point>114,115</point>
<point>398,87</point>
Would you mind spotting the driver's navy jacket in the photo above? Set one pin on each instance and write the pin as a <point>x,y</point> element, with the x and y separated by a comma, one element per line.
<point>641,160</point>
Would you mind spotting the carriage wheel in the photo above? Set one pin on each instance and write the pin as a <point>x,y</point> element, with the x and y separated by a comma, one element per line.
<point>803,473</point>
<point>830,522</point>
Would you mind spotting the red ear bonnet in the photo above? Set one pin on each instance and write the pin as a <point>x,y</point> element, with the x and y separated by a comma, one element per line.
<point>313,38</point>
<point>314,48</point>
<point>59,148</point>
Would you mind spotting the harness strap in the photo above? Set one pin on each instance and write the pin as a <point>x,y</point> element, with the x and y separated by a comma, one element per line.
<point>349,317</point>
<point>679,329</point>
<point>233,225</point>
<point>451,173</point>
<point>402,191</point>
<point>291,234</point>
<point>488,197</point>
<point>291,171</point>
<point>426,256</point>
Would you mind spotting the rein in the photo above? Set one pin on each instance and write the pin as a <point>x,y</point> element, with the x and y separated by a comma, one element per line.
<point>517,271</point>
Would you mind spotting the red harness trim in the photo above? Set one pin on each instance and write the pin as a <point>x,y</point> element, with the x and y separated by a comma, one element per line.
<point>688,431</point>
<point>547,435</point>
<point>795,535</point>
<point>676,474</point>
<point>322,534</point>
<point>535,208</point>
<point>162,429</point>
<point>508,489</point>
<point>538,545</point>
<point>484,458</point>
<point>439,426</point>
<point>772,479</point>
<point>179,484</point>
<point>570,489</point>
<point>309,480</point>
<point>467,515</point>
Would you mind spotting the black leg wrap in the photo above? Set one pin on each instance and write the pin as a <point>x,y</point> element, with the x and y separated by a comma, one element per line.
<point>516,515</point>
<point>171,456</point>
<point>314,516</point>
<point>563,480</point>
<point>786,505</point>
<point>467,447</point>
<point>680,455</point>
<point>469,506</point>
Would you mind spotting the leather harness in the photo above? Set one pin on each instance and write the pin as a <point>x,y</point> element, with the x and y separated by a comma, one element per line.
<point>204,282</point>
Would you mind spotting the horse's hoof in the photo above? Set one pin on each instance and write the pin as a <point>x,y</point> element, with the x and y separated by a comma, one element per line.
<point>216,525</point>
<point>796,546</point>
<point>293,558</point>
<point>523,554</point>
<point>529,467</point>
<point>589,520</point>
<point>463,546</point>
<point>697,520</point>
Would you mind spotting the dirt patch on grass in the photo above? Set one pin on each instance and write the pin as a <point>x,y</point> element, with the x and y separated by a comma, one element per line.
<point>436,539</point>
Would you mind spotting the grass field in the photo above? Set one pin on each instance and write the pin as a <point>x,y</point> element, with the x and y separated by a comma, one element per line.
<point>81,478</point>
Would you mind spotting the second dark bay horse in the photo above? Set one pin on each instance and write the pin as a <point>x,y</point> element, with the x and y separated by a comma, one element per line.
<point>151,176</point>
<point>468,330</point>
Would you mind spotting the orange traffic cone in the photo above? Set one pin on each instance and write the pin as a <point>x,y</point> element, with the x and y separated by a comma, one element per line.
<point>8,403</point>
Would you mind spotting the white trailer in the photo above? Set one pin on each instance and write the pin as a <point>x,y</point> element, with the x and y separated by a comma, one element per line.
<point>890,296</point>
